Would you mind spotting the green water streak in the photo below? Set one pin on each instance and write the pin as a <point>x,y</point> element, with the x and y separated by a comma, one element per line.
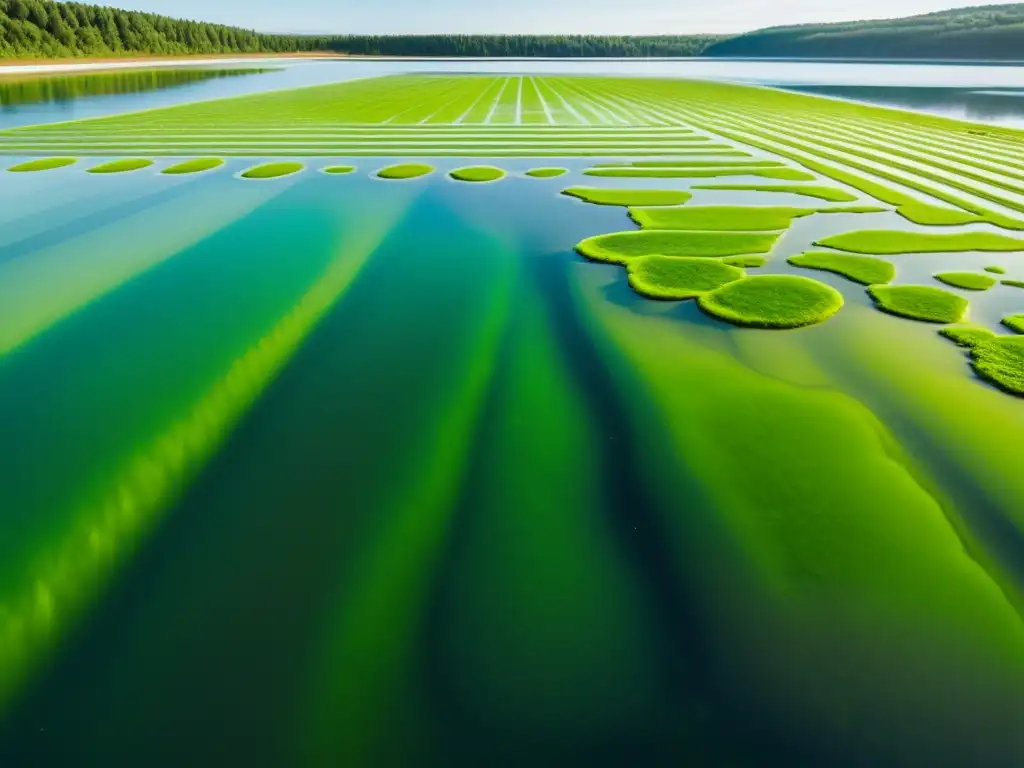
<point>65,580</point>
<point>545,632</point>
<point>41,289</point>
<point>368,656</point>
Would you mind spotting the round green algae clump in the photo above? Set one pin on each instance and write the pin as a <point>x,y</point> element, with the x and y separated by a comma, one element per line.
<point>546,173</point>
<point>674,278</point>
<point>1000,361</point>
<point>773,301</point>
<point>121,166</point>
<point>272,170</point>
<point>866,270</point>
<point>197,165</point>
<point>969,281</point>
<point>405,171</point>
<point>1015,323</point>
<point>996,270</point>
<point>919,302</point>
<point>478,173</point>
<point>43,164</point>
<point>602,196</point>
<point>338,170</point>
<point>620,247</point>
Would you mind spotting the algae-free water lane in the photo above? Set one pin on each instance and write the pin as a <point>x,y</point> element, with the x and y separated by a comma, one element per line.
<point>344,471</point>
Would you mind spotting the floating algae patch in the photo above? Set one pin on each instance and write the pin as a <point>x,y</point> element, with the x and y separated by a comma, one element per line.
<point>782,174</point>
<point>919,302</point>
<point>888,242</point>
<point>478,173</point>
<point>1014,283</point>
<point>853,209</point>
<point>718,217</point>
<point>405,171</point>
<point>197,165</point>
<point>339,170</point>
<point>121,166</point>
<point>746,262</point>
<point>970,281</point>
<point>1000,361</point>
<point>829,194</point>
<point>272,170</point>
<point>619,247</point>
<point>675,278</point>
<point>600,196</point>
<point>687,163</point>
<point>1015,323</point>
<point>966,334</point>
<point>935,215</point>
<point>773,301</point>
<point>866,270</point>
<point>43,164</point>
<point>996,270</point>
<point>545,173</point>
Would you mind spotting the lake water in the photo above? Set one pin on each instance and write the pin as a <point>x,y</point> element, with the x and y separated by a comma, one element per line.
<point>326,471</point>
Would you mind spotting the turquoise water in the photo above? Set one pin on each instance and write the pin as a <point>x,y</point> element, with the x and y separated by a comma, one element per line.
<point>339,471</point>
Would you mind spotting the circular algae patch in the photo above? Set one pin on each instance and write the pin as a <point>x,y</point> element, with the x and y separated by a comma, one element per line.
<point>674,279</point>
<point>272,170</point>
<point>338,170</point>
<point>478,173</point>
<point>919,302</point>
<point>773,301</point>
<point>405,171</point>
<point>43,164</point>
<point>546,173</point>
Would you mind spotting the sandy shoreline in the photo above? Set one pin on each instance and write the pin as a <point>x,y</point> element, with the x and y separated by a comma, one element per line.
<point>22,66</point>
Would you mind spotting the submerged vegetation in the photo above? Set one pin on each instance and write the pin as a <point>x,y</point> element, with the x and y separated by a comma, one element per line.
<point>339,170</point>
<point>866,270</point>
<point>773,301</point>
<point>919,302</point>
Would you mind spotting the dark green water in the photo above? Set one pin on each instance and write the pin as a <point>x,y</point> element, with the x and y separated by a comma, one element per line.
<point>336,471</point>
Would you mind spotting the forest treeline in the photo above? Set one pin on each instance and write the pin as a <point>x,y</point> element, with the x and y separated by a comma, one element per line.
<point>571,46</point>
<point>982,32</point>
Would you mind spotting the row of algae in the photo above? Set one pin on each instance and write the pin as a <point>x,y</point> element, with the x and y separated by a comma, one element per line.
<point>44,591</point>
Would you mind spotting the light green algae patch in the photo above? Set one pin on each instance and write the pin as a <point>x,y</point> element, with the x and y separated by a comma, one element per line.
<point>478,173</point>
<point>969,281</point>
<point>718,217</point>
<point>773,301</point>
<point>747,262</point>
<point>600,196</point>
<point>687,163</point>
<point>935,215</point>
<point>197,165</point>
<point>996,270</point>
<point>830,194</point>
<point>919,302</point>
<point>43,164</point>
<point>967,334</point>
<point>782,174</point>
<point>1015,323</point>
<point>1000,361</point>
<point>620,247</point>
<point>853,209</point>
<point>675,279</point>
<point>339,170</point>
<point>272,170</point>
<point>405,171</point>
<point>866,270</point>
<point>1014,283</point>
<point>121,166</point>
<point>888,242</point>
<point>546,173</point>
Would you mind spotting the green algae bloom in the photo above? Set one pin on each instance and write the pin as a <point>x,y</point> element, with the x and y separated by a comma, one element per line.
<point>601,196</point>
<point>773,301</point>
<point>969,281</point>
<point>478,173</point>
<point>405,171</point>
<point>197,165</point>
<point>339,170</point>
<point>967,334</point>
<point>545,173</point>
<point>866,270</point>
<point>718,217</point>
<point>121,166</point>
<point>919,302</point>
<point>272,170</point>
<point>747,262</point>
<point>996,270</point>
<point>889,242</point>
<point>675,278</point>
<point>782,174</point>
<point>43,164</point>
<point>830,194</point>
<point>619,247</point>
<point>1014,283</point>
<point>1000,361</point>
<point>1015,323</point>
